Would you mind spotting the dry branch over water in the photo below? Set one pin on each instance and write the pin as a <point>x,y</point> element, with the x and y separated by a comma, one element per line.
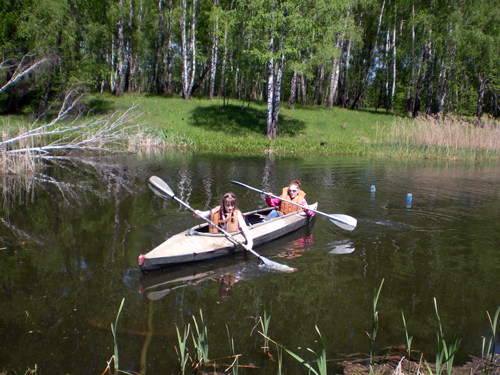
<point>64,134</point>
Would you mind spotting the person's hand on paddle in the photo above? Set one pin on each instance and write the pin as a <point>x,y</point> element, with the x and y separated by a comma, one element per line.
<point>196,213</point>
<point>247,247</point>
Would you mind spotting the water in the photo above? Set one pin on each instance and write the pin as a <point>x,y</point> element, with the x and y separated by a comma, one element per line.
<point>70,252</point>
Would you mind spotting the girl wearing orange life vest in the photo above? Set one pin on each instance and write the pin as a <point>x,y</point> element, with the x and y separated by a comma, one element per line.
<point>291,193</point>
<point>227,217</point>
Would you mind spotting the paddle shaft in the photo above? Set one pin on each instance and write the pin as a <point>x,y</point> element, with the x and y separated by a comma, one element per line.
<point>229,235</point>
<point>331,217</point>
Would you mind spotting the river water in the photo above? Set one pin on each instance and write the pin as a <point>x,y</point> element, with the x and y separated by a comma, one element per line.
<point>71,242</point>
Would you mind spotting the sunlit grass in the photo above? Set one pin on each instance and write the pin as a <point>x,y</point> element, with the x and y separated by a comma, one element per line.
<point>224,126</point>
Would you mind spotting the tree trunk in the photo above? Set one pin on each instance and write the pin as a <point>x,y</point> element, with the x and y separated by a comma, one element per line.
<point>303,85</point>
<point>188,50</point>
<point>344,92</point>
<point>215,51</point>
<point>222,87</point>
<point>270,131</point>
<point>160,48</point>
<point>409,100</point>
<point>394,66</point>
<point>334,78</point>
<point>167,57</point>
<point>483,81</point>
<point>428,81</point>
<point>318,91</point>
<point>370,60</point>
<point>293,88</point>
<point>120,53</point>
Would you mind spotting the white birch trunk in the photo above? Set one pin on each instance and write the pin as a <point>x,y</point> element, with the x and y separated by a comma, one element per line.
<point>293,88</point>
<point>215,52</point>
<point>120,69</point>
<point>222,86</point>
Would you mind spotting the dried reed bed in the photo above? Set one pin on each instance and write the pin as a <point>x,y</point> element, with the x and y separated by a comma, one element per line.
<point>450,137</point>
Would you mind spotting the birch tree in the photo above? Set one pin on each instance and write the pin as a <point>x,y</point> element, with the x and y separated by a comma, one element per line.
<point>188,46</point>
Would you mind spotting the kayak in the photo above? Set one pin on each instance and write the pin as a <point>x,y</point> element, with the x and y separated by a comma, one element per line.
<point>197,244</point>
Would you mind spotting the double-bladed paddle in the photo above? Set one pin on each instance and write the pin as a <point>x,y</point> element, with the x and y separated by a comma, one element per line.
<point>161,188</point>
<point>343,221</point>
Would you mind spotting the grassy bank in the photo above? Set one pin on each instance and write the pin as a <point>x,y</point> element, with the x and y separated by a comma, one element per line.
<point>217,125</point>
<point>228,125</point>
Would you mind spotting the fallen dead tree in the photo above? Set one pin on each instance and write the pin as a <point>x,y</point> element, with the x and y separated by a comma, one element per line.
<point>91,135</point>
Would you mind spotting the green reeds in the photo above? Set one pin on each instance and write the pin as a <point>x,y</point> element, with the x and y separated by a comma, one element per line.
<point>113,331</point>
<point>264,323</point>
<point>373,334</point>
<point>115,357</point>
<point>182,351</point>
<point>321,359</point>
<point>409,339</point>
<point>445,351</point>
<point>235,356</point>
<point>488,355</point>
<point>200,342</point>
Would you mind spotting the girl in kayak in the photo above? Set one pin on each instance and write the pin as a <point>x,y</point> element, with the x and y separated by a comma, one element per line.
<point>228,217</point>
<point>291,193</point>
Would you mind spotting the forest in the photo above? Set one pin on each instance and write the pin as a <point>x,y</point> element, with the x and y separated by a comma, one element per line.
<point>417,58</point>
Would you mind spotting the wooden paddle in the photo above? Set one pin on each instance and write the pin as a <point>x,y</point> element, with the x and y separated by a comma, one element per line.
<point>343,221</point>
<point>161,188</point>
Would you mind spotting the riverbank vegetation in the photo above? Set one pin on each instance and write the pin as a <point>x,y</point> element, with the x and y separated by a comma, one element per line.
<point>427,58</point>
<point>104,123</point>
<point>192,352</point>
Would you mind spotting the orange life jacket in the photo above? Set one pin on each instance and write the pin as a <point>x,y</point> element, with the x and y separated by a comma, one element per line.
<point>286,208</point>
<point>232,221</point>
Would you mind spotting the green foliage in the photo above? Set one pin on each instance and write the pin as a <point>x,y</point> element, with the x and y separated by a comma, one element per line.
<point>320,358</point>
<point>409,339</point>
<point>182,351</point>
<point>373,334</point>
<point>200,341</point>
<point>445,351</point>
<point>488,354</point>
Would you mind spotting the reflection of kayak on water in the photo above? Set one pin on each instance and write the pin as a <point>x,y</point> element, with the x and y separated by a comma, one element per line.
<point>197,244</point>
<point>226,271</point>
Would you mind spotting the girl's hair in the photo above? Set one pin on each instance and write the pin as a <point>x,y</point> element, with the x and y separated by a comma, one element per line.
<point>294,182</point>
<point>227,198</point>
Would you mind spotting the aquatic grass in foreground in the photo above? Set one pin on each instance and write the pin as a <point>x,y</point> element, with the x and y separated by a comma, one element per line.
<point>373,334</point>
<point>444,358</point>
<point>445,352</point>
<point>488,355</point>
<point>182,351</point>
<point>321,359</point>
<point>200,342</point>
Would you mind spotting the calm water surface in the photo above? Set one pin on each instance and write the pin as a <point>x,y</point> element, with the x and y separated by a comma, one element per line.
<point>69,257</point>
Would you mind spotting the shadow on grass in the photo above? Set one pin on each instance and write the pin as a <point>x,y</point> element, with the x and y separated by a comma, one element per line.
<point>100,105</point>
<point>230,120</point>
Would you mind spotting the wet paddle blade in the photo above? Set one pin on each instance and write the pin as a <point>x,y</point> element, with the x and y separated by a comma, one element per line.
<point>160,187</point>
<point>344,221</point>
<point>273,265</point>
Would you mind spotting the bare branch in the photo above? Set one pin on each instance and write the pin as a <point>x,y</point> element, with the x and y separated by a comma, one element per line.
<point>21,71</point>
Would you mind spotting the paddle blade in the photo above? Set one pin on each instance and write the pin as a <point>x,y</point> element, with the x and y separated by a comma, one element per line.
<point>344,221</point>
<point>160,187</point>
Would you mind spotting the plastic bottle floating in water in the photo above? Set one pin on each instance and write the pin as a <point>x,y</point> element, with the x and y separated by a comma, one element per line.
<point>372,189</point>
<point>409,198</point>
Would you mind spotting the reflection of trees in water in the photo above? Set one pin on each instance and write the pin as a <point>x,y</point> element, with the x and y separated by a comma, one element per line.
<point>269,173</point>
<point>64,184</point>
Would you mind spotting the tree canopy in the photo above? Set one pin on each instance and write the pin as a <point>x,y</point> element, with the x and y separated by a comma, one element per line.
<point>430,57</point>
